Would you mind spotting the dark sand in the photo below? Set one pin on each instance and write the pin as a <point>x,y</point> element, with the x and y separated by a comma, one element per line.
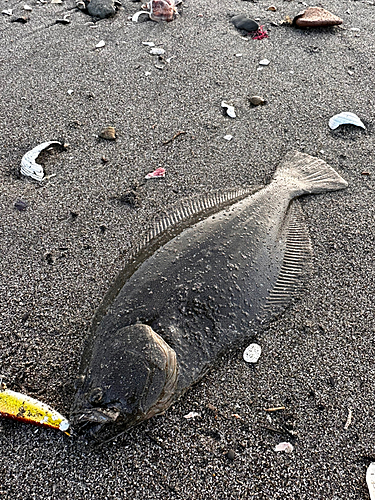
<point>60,255</point>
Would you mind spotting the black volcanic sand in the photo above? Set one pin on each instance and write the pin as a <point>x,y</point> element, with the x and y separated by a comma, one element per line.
<point>59,256</point>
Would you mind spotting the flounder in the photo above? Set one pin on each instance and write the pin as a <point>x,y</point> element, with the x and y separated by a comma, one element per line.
<point>204,278</point>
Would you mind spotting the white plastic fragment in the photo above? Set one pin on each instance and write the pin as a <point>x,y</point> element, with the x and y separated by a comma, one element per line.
<point>7,12</point>
<point>370,480</point>
<point>29,167</point>
<point>229,109</point>
<point>345,118</point>
<point>149,44</point>
<point>100,44</point>
<point>264,62</point>
<point>157,51</point>
<point>135,17</point>
<point>159,172</point>
<point>192,414</point>
<point>228,137</point>
<point>287,447</point>
<point>252,353</point>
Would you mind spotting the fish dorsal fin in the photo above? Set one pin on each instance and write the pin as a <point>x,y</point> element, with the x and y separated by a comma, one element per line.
<point>296,264</point>
<point>170,223</point>
<point>165,227</point>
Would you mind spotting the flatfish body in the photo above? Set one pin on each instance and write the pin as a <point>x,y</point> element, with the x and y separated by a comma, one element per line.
<point>204,289</point>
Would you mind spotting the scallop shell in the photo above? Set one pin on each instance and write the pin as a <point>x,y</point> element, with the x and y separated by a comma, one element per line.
<point>108,133</point>
<point>162,10</point>
<point>29,167</point>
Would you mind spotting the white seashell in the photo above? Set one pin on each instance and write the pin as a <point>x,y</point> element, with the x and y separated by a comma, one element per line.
<point>370,480</point>
<point>29,167</point>
<point>252,353</point>
<point>139,13</point>
<point>100,44</point>
<point>264,62</point>
<point>27,7</point>
<point>228,137</point>
<point>192,414</point>
<point>287,447</point>
<point>345,118</point>
<point>149,44</point>
<point>157,51</point>
<point>7,12</point>
<point>229,109</point>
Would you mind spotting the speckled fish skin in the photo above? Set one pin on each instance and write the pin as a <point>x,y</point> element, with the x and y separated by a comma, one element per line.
<point>199,293</point>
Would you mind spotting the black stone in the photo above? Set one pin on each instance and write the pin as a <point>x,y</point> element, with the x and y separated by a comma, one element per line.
<point>242,22</point>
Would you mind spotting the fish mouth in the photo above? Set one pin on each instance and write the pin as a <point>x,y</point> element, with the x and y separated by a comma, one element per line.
<point>100,416</point>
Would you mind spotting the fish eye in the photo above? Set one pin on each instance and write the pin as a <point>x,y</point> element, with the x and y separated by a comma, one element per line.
<point>95,396</point>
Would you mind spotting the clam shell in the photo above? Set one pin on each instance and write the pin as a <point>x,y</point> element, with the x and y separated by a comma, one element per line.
<point>345,118</point>
<point>108,133</point>
<point>252,353</point>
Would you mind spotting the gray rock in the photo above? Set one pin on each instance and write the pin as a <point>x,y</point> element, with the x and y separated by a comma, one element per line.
<point>101,8</point>
<point>242,22</point>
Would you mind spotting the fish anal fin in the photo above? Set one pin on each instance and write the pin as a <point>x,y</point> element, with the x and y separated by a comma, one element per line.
<point>296,265</point>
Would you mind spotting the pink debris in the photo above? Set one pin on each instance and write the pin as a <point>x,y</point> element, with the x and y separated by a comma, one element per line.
<point>159,172</point>
<point>259,34</point>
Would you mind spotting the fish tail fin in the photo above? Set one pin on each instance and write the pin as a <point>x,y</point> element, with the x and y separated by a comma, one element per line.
<point>308,174</point>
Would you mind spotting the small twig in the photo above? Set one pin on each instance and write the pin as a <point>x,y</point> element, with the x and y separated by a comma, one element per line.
<point>181,132</point>
<point>277,408</point>
<point>349,419</point>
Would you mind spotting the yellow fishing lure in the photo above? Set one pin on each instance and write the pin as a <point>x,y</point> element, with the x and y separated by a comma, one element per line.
<point>26,409</point>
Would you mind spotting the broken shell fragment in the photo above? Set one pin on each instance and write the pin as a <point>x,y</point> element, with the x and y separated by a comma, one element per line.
<point>287,447</point>
<point>345,118</point>
<point>157,51</point>
<point>229,110</point>
<point>108,133</point>
<point>252,353</point>
<point>159,172</point>
<point>316,17</point>
<point>29,167</point>
<point>135,17</point>
<point>257,100</point>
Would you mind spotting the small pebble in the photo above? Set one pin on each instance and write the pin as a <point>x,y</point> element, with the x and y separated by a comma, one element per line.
<point>264,62</point>
<point>28,8</point>
<point>100,44</point>
<point>257,100</point>
<point>228,137</point>
<point>272,8</point>
<point>7,12</point>
<point>231,455</point>
<point>21,205</point>
<point>108,133</point>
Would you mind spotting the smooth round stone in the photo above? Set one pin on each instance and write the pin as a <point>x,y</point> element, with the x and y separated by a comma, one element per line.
<point>242,22</point>
<point>101,8</point>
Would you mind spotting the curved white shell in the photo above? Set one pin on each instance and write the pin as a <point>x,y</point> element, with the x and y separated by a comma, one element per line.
<point>139,13</point>
<point>29,166</point>
<point>229,109</point>
<point>345,118</point>
<point>252,353</point>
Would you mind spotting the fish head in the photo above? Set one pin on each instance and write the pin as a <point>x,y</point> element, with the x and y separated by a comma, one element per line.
<point>130,378</point>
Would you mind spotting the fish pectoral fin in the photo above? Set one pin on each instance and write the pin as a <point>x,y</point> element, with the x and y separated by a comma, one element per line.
<point>296,262</point>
